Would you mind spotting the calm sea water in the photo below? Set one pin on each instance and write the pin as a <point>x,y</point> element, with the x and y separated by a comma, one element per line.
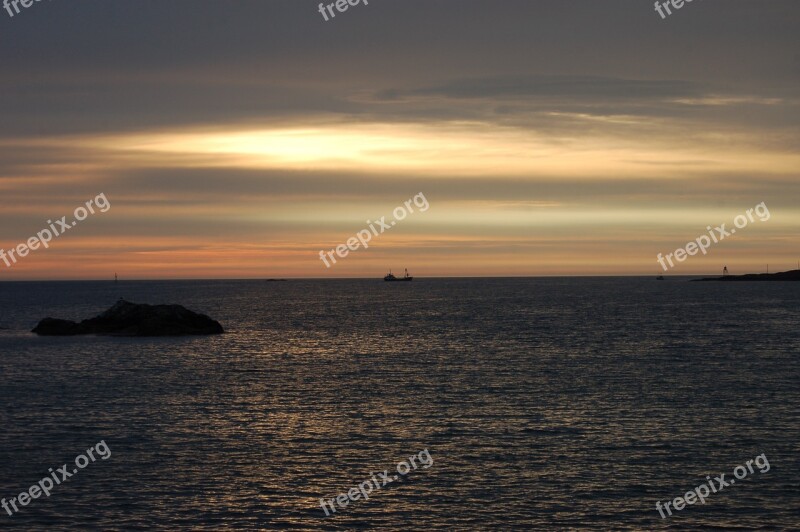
<point>544,403</point>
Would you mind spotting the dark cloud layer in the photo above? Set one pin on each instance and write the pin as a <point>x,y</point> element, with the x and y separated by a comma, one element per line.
<point>123,64</point>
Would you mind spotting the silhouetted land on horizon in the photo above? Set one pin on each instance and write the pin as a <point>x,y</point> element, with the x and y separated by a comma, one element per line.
<point>791,275</point>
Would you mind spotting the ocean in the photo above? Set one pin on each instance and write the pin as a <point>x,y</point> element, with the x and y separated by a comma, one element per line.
<point>544,404</point>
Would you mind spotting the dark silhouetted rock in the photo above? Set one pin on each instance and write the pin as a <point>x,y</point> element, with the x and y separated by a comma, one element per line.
<point>130,319</point>
<point>54,327</point>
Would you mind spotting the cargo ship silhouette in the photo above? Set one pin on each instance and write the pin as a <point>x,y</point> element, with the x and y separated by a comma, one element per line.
<point>391,277</point>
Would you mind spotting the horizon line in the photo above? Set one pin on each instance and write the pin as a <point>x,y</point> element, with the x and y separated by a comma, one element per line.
<point>364,278</point>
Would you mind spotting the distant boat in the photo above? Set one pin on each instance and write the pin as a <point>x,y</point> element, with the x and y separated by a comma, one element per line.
<point>660,278</point>
<point>391,277</point>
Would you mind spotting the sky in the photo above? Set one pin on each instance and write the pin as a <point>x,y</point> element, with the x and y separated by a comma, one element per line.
<point>239,139</point>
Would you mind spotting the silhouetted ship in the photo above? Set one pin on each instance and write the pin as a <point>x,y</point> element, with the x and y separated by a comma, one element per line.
<point>391,277</point>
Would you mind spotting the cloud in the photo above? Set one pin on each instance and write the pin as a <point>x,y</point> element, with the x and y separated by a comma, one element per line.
<point>586,89</point>
<point>232,138</point>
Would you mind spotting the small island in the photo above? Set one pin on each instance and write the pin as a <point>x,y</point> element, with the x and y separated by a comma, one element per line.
<point>791,275</point>
<point>131,319</point>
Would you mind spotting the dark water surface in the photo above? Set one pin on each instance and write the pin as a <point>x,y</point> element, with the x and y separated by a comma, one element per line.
<point>544,403</point>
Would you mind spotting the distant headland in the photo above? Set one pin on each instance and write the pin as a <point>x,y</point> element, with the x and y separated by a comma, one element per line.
<point>791,275</point>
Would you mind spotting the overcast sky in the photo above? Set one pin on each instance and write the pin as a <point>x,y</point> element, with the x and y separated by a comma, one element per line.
<point>240,138</point>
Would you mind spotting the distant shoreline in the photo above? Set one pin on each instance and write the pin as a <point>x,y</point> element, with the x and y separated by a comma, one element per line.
<point>791,275</point>
<point>687,276</point>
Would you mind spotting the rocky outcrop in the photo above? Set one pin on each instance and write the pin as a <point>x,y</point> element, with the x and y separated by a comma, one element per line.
<point>131,319</point>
